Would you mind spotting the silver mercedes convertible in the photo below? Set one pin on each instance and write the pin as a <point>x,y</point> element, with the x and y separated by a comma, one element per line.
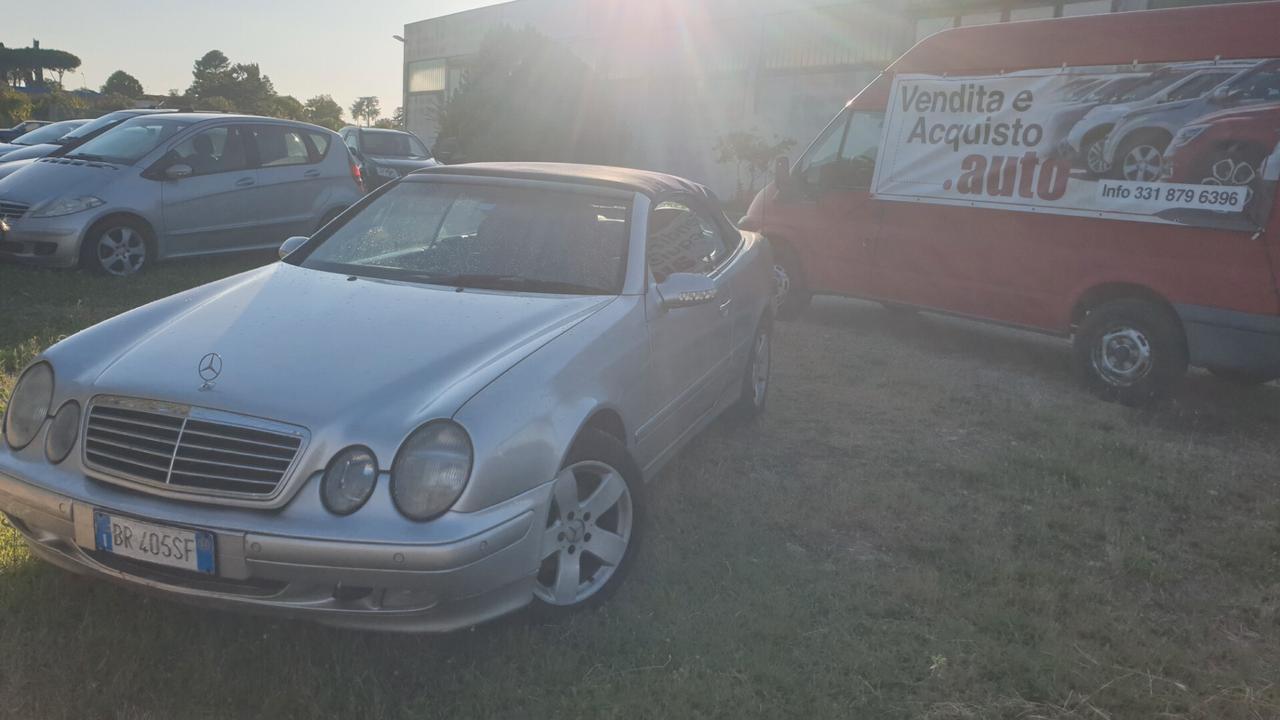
<point>440,408</point>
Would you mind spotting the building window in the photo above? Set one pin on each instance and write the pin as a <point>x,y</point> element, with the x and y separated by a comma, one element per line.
<point>928,26</point>
<point>1089,7</point>
<point>427,76</point>
<point>1039,12</point>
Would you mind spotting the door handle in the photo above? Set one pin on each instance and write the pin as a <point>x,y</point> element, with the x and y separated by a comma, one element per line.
<point>245,182</point>
<point>724,306</point>
<point>311,174</point>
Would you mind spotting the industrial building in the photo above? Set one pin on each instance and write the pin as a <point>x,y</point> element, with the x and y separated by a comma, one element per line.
<point>689,71</point>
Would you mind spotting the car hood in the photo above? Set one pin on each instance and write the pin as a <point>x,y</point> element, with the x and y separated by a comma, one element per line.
<point>26,152</point>
<point>52,178</point>
<point>6,148</point>
<point>320,350</point>
<point>1107,113</point>
<point>1169,108</point>
<point>1254,112</point>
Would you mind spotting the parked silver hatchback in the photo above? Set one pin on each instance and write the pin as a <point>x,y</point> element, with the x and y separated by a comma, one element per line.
<point>176,185</point>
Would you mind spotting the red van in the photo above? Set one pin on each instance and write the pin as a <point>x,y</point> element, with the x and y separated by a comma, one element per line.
<point>939,188</point>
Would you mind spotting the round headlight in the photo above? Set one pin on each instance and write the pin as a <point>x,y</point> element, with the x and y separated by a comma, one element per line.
<point>28,406</point>
<point>62,432</point>
<point>431,470</point>
<point>349,480</point>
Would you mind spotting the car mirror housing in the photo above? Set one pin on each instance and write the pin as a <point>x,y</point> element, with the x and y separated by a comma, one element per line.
<point>682,290</point>
<point>292,244</point>
<point>177,171</point>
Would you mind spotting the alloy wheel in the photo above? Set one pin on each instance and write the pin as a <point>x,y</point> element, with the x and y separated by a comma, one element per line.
<point>1096,157</point>
<point>587,533</point>
<point>1142,163</point>
<point>121,250</point>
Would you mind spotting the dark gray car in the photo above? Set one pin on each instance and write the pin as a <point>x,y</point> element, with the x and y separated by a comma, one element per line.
<point>385,155</point>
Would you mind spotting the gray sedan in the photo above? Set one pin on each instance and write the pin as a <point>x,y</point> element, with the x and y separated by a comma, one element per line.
<point>443,406</point>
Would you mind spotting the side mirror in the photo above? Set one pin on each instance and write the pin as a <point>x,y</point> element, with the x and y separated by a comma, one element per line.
<point>292,244</point>
<point>682,290</point>
<point>178,171</point>
<point>782,172</point>
<point>1222,96</point>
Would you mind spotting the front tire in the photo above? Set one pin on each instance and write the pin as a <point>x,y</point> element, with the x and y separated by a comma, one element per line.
<point>1095,157</point>
<point>757,377</point>
<point>592,526</point>
<point>1140,160</point>
<point>116,246</point>
<point>1131,351</point>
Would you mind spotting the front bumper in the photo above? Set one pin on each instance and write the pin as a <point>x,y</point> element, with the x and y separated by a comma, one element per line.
<point>485,572</point>
<point>1230,340</point>
<point>51,242</point>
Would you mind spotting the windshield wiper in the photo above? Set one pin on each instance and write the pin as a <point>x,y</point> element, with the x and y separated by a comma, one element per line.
<point>510,282</point>
<point>86,156</point>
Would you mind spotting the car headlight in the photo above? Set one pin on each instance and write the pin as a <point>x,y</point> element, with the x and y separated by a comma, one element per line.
<point>431,470</point>
<point>349,481</point>
<point>62,432</point>
<point>68,205</point>
<point>1187,134</point>
<point>28,406</point>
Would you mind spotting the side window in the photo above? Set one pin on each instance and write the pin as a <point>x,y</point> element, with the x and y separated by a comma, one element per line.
<point>845,157</point>
<point>1197,86</point>
<point>682,240</point>
<point>216,150</point>
<point>280,146</point>
<point>320,141</point>
<point>352,139</point>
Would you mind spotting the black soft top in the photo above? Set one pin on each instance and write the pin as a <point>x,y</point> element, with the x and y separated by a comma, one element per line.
<point>653,184</point>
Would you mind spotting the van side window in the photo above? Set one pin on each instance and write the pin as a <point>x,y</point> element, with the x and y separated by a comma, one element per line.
<point>683,241</point>
<point>845,157</point>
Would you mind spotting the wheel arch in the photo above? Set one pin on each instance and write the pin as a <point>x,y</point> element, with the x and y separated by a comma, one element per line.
<point>1094,133</point>
<point>605,420</point>
<point>149,234</point>
<point>1106,292</point>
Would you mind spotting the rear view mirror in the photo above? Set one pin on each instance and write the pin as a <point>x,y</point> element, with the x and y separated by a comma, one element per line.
<point>178,171</point>
<point>292,244</point>
<point>681,290</point>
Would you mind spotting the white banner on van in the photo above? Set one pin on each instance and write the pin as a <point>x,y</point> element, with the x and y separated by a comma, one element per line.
<point>1185,143</point>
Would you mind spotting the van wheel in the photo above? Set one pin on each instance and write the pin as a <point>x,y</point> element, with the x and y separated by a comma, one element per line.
<point>1243,378</point>
<point>1131,351</point>
<point>1140,159</point>
<point>116,246</point>
<point>792,295</point>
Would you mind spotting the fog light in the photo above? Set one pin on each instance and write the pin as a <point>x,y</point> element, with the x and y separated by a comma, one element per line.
<point>349,480</point>
<point>62,432</point>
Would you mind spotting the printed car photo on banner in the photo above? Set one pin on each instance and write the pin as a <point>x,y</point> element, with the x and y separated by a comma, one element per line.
<point>1182,143</point>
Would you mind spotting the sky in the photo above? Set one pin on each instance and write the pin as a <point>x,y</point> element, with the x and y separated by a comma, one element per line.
<point>343,49</point>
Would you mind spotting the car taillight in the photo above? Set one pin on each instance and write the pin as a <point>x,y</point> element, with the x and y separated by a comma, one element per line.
<point>357,175</point>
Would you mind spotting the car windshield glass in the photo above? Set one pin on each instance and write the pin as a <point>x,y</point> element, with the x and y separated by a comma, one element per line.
<point>1151,86</point>
<point>1109,92</point>
<point>48,133</point>
<point>477,236</point>
<point>94,126</point>
<point>131,140</point>
<point>392,144</point>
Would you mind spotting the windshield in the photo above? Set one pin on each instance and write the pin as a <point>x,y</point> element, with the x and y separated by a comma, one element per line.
<point>48,133</point>
<point>95,125</point>
<point>1151,86</point>
<point>131,140</point>
<point>393,144</point>
<point>1109,92</point>
<point>478,236</point>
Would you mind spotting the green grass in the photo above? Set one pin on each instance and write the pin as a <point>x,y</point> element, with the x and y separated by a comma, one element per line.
<point>931,522</point>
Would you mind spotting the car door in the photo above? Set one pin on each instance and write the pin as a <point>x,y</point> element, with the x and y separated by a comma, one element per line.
<point>835,215</point>
<point>212,209</point>
<point>690,347</point>
<point>291,182</point>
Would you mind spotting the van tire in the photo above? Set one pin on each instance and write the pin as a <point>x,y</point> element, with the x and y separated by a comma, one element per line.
<point>793,295</point>
<point>1131,351</point>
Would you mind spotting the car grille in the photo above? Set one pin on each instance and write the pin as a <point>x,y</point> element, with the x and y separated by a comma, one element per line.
<point>10,210</point>
<point>190,449</point>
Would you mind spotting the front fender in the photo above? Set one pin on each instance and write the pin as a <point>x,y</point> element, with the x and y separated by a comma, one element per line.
<point>523,424</point>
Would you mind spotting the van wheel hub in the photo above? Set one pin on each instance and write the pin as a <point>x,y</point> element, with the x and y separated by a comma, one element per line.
<point>1123,356</point>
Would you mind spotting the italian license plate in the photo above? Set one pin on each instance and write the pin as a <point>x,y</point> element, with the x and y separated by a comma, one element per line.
<point>172,547</point>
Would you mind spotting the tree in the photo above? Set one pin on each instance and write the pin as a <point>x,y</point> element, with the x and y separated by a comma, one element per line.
<point>323,111</point>
<point>752,157</point>
<point>209,73</point>
<point>366,108</point>
<point>525,97</point>
<point>58,104</point>
<point>27,66</point>
<point>398,119</point>
<point>242,84</point>
<point>14,107</point>
<point>288,107</point>
<point>122,83</point>
<point>385,124</point>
